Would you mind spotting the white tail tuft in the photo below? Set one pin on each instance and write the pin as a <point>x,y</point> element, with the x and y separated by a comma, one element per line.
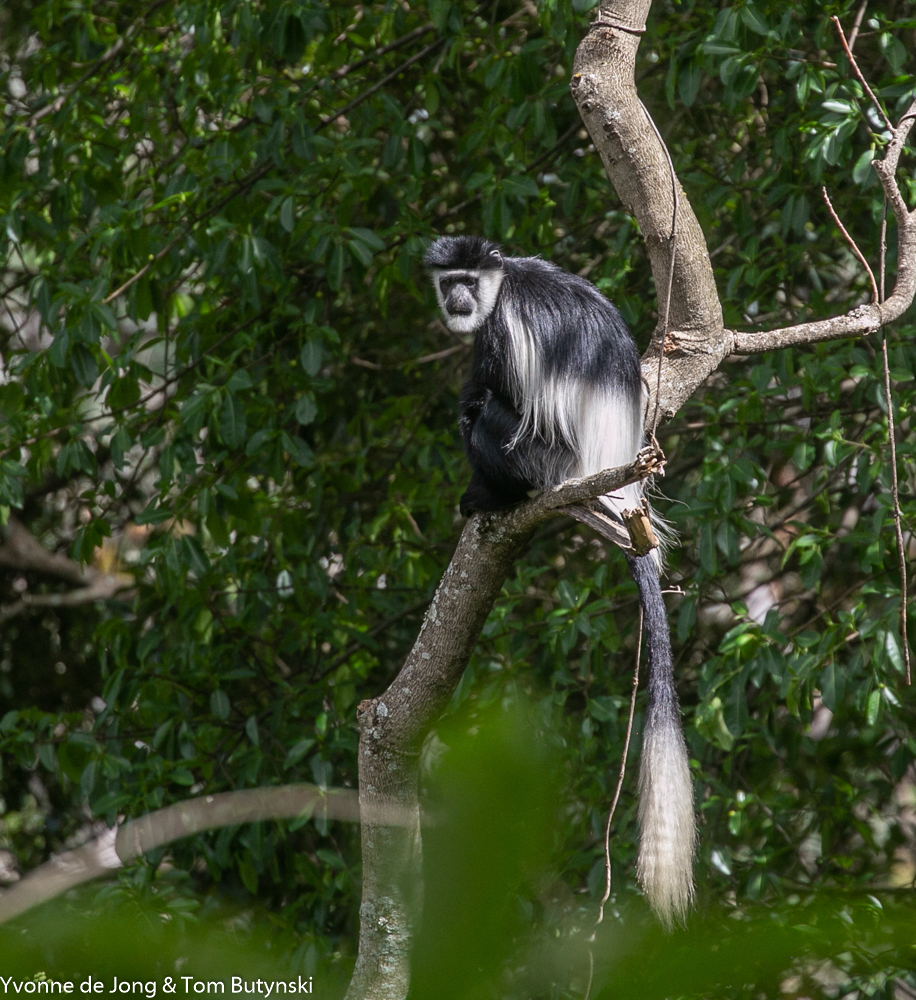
<point>667,837</point>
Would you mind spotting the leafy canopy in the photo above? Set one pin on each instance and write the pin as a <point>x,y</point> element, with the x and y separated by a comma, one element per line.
<point>222,376</point>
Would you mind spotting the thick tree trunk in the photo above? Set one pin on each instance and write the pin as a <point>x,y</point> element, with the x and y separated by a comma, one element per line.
<point>392,729</point>
<point>394,725</point>
<point>637,163</point>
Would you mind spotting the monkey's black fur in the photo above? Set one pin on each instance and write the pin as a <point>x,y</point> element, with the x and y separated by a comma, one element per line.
<point>577,334</point>
<point>464,252</point>
<point>554,392</point>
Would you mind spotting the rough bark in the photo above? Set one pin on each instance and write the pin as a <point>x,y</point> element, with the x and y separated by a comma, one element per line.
<point>392,726</point>
<point>638,167</point>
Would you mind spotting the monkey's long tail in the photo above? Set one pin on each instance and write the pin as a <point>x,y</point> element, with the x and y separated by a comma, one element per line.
<point>667,827</point>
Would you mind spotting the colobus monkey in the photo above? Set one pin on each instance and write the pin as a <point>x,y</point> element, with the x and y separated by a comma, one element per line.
<point>555,393</point>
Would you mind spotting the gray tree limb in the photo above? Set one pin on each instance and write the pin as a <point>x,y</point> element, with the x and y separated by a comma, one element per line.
<point>119,846</point>
<point>20,550</point>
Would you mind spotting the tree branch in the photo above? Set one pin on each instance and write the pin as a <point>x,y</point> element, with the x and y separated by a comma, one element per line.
<point>634,157</point>
<point>20,550</point>
<point>604,88</point>
<point>866,318</point>
<point>121,845</point>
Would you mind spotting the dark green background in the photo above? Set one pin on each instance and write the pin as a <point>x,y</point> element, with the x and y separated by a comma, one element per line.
<point>276,459</point>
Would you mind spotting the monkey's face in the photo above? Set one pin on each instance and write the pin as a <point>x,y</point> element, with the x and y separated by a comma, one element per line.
<point>459,294</point>
<point>467,297</point>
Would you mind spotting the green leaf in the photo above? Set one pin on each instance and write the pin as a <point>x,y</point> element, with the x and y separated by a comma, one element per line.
<point>218,530</point>
<point>248,875</point>
<point>331,858</point>
<point>438,12</point>
<point>873,707</point>
<point>153,514</point>
<point>124,392</point>
<point>240,379</point>
<point>361,252</point>
<point>751,17</point>
<point>219,704</point>
<point>294,38</point>
<point>688,83</point>
<point>119,445</point>
<point>336,268</point>
<point>710,723</point>
<point>301,138</point>
<point>297,752</point>
<point>521,186</point>
<point>259,441</point>
<point>306,410</point>
<point>708,548</point>
<point>251,729</point>
<point>567,594</point>
<point>311,357</point>
<point>839,107</point>
<point>88,778</point>
<point>287,216</point>
<point>84,365</point>
<point>298,450</point>
<point>601,709</point>
<point>368,237</point>
<point>232,424</point>
<point>894,653</point>
<point>862,171</point>
<point>833,683</point>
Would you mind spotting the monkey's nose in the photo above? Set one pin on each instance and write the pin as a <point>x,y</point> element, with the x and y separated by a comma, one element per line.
<point>459,305</point>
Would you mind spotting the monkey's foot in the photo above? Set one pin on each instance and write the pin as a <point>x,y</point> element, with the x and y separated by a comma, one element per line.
<point>650,461</point>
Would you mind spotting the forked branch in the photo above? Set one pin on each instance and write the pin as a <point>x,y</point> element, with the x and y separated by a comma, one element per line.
<point>869,318</point>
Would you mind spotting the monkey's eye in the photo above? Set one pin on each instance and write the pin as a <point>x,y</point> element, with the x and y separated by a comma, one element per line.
<point>447,284</point>
<point>495,253</point>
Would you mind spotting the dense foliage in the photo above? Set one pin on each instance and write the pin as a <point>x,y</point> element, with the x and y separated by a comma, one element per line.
<point>225,391</point>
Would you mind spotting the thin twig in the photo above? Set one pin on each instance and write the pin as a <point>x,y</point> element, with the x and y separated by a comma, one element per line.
<point>667,310</point>
<point>381,83</point>
<point>892,437</point>
<point>343,71</point>
<point>198,142</point>
<point>858,73</point>
<point>591,973</point>
<point>895,496</point>
<point>620,776</point>
<point>252,178</point>
<point>439,355</point>
<point>857,24</point>
<point>54,106</point>
<point>462,205</point>
<point>123,844</point>
<point>104,589</point>
<point>882,250</point>
<point>108,414</point>
<point>852,243</point>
